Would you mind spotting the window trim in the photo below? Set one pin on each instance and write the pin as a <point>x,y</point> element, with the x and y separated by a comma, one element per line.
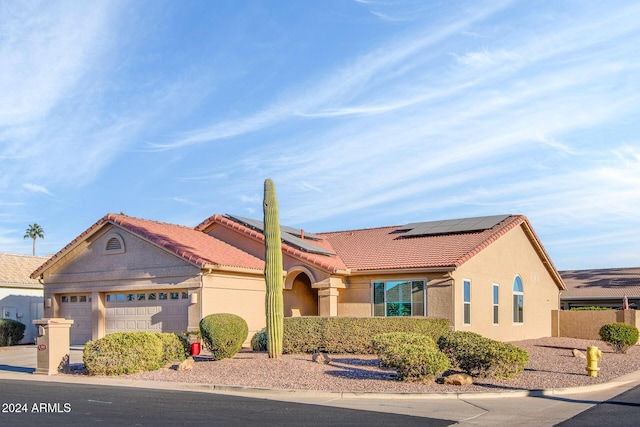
<point>517,319</point>
<point>424,281</point>
<point>466,313</point>
<point>496,303</point>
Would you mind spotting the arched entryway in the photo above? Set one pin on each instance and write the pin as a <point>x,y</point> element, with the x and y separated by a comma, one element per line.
<point>300,299</point>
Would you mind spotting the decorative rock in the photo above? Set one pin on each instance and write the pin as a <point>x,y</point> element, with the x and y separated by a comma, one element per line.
<point>459,379</point>
<point>322,360</point>
<point>578,353</point>
<point>186,364</point>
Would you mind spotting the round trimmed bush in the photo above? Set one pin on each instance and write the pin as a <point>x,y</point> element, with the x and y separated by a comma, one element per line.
<point>620,336</point>
<point>223,334</point>
<point>123,353</point>
<point>174,347</point>
<point>483,357</point>
<point>382,342</point>
<point>11,332</point>
<point>259,340</point>
<point>417,362</point>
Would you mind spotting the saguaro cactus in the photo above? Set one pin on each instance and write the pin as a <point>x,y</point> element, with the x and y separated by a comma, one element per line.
<point>273,271</point>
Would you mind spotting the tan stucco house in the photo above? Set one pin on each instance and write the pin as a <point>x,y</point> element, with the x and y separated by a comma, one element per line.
<point>21,295</point>
<point>490,275</point>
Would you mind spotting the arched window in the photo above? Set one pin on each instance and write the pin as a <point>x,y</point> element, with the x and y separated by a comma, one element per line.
<point>114,245</point>
<point>518,300</point>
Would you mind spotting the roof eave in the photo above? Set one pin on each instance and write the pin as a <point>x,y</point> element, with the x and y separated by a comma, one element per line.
<point>210,268</point>
<point>542,253</point>
<point>412,270</point>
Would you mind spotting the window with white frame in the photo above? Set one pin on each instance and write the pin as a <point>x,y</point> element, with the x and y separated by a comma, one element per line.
<point>518,300</point>
<point>400,298</point>
<point>466,302</point>
<point>496,300</point>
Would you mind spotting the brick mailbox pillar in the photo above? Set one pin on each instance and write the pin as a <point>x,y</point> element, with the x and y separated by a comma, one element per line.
<point>52,345</point>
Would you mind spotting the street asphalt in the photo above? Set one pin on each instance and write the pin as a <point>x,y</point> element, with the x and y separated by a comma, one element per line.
<point>522,408</point>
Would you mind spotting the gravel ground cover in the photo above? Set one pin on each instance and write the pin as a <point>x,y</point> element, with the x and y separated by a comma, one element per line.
<point>551,365</point>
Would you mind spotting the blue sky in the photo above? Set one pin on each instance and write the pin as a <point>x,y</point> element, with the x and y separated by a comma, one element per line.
<point>364,113</point>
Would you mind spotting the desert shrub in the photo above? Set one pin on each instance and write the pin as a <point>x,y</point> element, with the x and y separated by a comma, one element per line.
<point>620,336</point>
<point>223,334</point>
<point>123,353</point>
<point>416,362</point>
<point>174,347</point>
<point>351,334</point>
<point>483,357</point>
<point>11,332</point>
<point>259,340</point>
<point>382,342</point>
<point>591,308</point>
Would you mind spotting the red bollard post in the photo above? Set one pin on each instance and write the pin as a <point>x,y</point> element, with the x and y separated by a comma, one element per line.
<point>195,348</point>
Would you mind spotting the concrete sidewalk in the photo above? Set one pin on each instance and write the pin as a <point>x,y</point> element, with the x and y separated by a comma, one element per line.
<point>524,408</point>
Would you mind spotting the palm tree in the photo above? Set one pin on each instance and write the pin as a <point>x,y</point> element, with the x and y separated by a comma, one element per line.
<point>33,232</point>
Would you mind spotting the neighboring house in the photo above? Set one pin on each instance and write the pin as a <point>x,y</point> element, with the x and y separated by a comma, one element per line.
<point>490,275</point>
<point>20,295</point>
<point>601,288</point>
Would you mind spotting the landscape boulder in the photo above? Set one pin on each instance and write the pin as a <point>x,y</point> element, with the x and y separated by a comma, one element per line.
<point>458,379</point>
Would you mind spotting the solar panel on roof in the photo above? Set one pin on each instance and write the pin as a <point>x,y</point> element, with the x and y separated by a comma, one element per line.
<point>452,226</point>
<point>288,235</point>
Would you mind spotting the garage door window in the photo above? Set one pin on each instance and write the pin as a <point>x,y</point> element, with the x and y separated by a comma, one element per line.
<point>153,296</point>
<point>74,298</point>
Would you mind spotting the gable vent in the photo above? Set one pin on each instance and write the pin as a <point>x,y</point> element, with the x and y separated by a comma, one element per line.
<point>115,245</point>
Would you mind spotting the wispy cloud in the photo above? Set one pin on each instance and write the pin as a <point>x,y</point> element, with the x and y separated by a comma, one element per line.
<point>487,58</point>
<point>371,70</point>
<point>37,188</point>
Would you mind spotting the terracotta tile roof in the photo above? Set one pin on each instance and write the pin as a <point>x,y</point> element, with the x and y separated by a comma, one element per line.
<point>601,283</point>
<point>357,250</point>
<point>192,245</point>
<point>15,270</point>
<point>328,262</point>
<point>386,248</point>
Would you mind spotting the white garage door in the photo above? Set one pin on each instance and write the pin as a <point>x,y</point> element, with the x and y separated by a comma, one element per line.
<point>159,311</point>
<point>78,308</point>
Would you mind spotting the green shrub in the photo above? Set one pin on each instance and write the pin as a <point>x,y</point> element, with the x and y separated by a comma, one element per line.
<point>174,347</point>
<point>11,332</point>
<point>382,342</point>
<point>592,308</point>
<point>223,334</point>
<point>620,336</point>
<point>351,334</point>
<point>416,362</point>
<point>483,357</point>
<point>123,353</point>
<point>259,340</point>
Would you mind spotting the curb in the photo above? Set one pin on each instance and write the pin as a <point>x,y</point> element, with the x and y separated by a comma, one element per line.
<point>627,380</point>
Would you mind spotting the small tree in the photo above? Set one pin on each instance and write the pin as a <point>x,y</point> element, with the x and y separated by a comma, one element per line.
<point>33,232</point>
<point>274,305</point>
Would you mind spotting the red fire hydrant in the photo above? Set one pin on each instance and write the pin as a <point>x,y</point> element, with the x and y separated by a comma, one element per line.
<point>195,348</point>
